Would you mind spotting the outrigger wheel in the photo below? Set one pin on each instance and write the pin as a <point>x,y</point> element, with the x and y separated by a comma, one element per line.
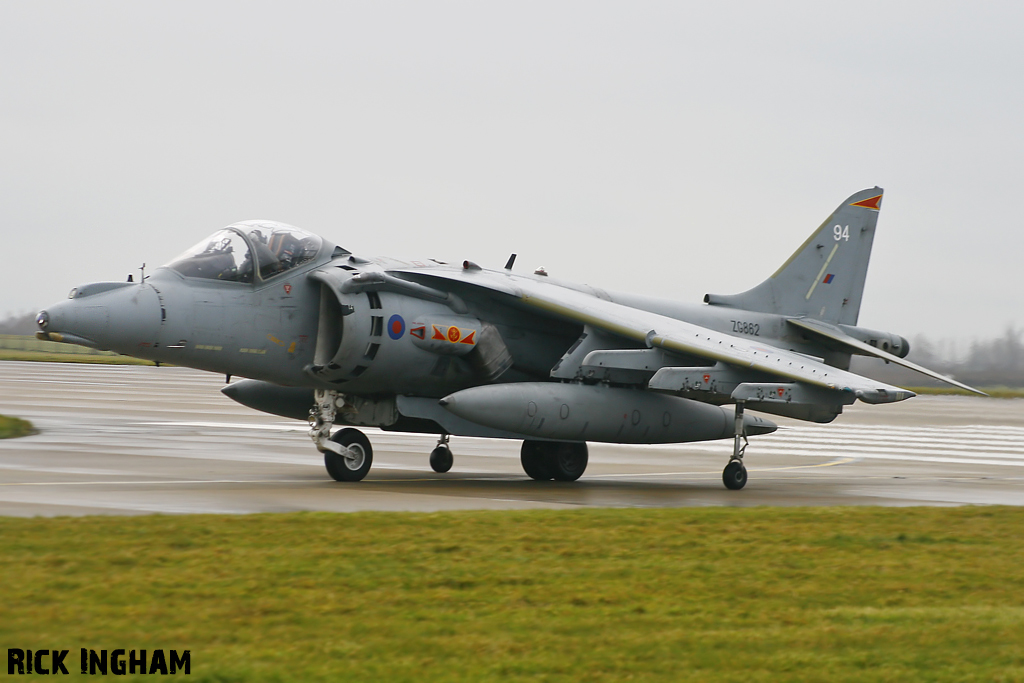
<point>441,459</point>
<point>356,462</point>
<point>735,475</point>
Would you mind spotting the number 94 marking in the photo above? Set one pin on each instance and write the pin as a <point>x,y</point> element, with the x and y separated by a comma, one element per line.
<point>841,233</point>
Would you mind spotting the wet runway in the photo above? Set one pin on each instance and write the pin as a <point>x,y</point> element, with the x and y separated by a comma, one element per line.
<point>133,440</point>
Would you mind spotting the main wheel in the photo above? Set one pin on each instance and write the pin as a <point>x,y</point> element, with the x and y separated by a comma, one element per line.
<point>356,464</point>
<point>534,455</point>
<point>441,459</point>
<point>568,461</point>
<point>735,475</point>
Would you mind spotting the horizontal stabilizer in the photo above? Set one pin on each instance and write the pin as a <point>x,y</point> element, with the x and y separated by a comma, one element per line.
<point>834,334</point>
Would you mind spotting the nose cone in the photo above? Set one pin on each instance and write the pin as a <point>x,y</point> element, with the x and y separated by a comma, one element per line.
<point>117,318</point>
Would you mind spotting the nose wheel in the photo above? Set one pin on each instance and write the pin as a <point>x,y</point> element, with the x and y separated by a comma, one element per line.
<point>348,455</point>
<point>734,476</point>
<point>355,459</point>
<point>441,458</point>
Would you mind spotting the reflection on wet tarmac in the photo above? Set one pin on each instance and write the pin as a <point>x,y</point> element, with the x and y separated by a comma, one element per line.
<point>132,440</point>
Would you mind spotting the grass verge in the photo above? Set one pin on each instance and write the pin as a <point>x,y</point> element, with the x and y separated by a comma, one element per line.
<point>11,427</point>
<point>762,594</point>
<point>50,357</point>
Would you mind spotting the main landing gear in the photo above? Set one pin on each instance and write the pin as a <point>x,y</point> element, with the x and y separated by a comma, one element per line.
<point>735,474</point>
<point>544,460</point>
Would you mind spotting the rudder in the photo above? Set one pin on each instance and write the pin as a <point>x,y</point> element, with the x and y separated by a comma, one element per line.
<point>824,278</point>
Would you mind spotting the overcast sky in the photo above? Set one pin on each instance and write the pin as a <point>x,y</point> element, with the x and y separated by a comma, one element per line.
<point>670,148</point>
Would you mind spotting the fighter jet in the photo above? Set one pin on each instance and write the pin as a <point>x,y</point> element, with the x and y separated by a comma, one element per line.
<point>325,335</point>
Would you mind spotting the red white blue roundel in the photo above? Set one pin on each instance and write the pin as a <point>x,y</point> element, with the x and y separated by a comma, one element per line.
<point>396,327</point>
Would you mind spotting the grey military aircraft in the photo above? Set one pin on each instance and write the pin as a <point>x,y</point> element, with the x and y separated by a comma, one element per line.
<point>427,346</point>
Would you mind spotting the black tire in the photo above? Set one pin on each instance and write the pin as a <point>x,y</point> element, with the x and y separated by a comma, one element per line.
<point>734,476</point>
<point>441,459</point>
<point>349,469</point>
<point>535,459</point>
<point>568,461</point>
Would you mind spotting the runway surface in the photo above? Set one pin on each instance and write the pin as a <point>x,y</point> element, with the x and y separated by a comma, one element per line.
<point>134,440</point>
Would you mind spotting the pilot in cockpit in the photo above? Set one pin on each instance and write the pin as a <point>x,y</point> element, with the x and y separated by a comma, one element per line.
<point>228,257</point>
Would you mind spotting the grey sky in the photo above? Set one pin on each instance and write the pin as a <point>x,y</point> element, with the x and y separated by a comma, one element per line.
<point>668,148</point>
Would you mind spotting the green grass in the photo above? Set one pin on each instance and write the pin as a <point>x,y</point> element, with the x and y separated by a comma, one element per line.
<point>22,347</point>
<point>720,594</point>
<point>11,427</point>
<point>51,357</point>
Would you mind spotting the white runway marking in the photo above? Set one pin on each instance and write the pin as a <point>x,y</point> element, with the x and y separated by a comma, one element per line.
<point>979,444</point>
<point>69,381</point>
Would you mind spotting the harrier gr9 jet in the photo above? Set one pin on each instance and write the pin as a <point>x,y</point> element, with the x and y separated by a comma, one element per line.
<point>456,349</point>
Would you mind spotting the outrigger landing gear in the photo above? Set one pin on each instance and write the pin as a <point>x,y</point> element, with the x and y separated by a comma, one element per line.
<point>348,455</point>
<point>735,474</point>
<point>441,459</point>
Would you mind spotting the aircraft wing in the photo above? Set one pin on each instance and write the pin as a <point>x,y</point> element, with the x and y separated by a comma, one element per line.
<point>668,333</point>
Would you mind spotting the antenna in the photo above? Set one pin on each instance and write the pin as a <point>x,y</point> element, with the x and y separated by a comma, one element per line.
<point>511,260</point>
<point>142,273</point>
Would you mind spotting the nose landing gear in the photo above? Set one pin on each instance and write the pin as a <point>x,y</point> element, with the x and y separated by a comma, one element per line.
<point>348,455</point>
<point>355,459</point>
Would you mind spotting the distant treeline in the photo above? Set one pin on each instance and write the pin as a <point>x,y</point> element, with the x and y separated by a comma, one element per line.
<point>983,363</point>
<point>24,323</point>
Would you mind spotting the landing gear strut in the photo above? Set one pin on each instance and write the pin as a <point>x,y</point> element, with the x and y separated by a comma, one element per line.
<point>735,474</point>
<point>543,460</point>
<point>441,459</point>
<point>348,455</point>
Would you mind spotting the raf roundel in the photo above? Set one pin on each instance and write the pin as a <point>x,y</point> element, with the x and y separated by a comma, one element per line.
<point>396,327</point>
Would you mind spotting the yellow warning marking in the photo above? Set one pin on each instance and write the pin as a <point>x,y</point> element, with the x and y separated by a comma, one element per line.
<point>291,349</point>
<point>822,271</point>
<point>275,340</point>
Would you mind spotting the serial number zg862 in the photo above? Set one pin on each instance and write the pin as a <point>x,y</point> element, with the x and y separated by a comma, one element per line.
<point>746,328</point>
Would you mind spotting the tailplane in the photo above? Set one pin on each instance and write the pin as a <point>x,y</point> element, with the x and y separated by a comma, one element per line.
<point>824,278</point>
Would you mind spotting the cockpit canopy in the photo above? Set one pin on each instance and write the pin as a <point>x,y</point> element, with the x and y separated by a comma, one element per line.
<point>228,254</point>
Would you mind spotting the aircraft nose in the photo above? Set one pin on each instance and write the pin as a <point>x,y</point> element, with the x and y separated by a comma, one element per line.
<point>105,316</point>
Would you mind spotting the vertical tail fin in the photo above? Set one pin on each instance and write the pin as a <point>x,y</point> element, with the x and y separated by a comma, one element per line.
<point>824,278</point>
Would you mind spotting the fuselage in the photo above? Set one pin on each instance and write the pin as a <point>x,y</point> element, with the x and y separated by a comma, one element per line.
<point>277,329</point>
